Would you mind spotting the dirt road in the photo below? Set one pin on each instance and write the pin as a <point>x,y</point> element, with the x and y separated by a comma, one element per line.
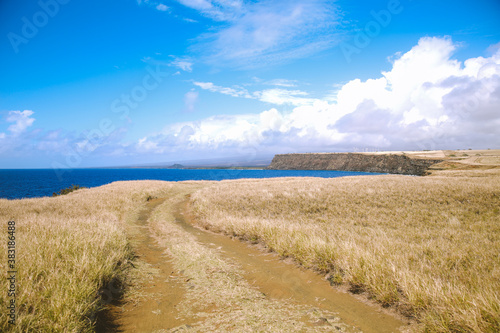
<point>204,282</point>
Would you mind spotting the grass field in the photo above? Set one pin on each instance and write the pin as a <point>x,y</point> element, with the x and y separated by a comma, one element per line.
<point>68,248</point>
<point>428,246</point>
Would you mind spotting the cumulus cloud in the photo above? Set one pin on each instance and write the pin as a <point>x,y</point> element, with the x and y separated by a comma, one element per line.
<point>63,147</point>
<point>428,100</point>
<point>17,137</point>
<point>21,119</point>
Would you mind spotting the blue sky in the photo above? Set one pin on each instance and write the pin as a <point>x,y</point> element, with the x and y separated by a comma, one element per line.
<point>108,83</point>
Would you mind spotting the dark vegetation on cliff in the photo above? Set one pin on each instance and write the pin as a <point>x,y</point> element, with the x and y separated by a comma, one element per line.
<point>387,163</point>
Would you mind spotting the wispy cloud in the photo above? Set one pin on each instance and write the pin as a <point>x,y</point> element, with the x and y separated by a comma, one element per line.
<point>183,64</point>
<point>262,33</point>
<point>162,7</point>
<point>219,10</point>
<point>190,20</point>
<point>247,34</point>
<point>158,5</point>
<point>235,92</point>
<point>282,83</point>
<point>276,96</point>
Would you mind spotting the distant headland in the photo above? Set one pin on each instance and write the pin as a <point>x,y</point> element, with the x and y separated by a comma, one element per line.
<point>418,163</point>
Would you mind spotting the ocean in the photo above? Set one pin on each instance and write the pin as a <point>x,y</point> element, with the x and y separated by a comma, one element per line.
<point>31,183</point>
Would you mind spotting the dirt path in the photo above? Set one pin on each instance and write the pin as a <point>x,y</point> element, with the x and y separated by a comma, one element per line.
<point>155,308</point>
<point>192,299</point>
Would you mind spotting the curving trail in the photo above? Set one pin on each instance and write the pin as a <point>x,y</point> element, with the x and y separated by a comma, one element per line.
<point>161,291</point>
<point>170,299</point>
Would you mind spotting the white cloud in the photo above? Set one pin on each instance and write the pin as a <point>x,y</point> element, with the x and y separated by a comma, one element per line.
<point>190,20</point>
<point>219,10</point>
<point>282,83</point>
<point>144,145</point>
<point>183,64</point>
<point>156,4</point>
<point>21,119</point>
<point>276,96</point>
<point>190,100</point>
<point>235,92</point>
<point>53,141</point>
<point>279,96</point>
<point>162,7</point>
<point>262,33</point>
<point>428,100</point>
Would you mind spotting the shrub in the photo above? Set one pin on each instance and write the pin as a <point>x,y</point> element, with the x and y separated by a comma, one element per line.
<point>67,190</point>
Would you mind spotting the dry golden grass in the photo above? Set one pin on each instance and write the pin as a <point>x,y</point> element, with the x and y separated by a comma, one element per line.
<point>218,298</point>
<point>68,248</point>
<point>426,245</point>
<point>489,157</point>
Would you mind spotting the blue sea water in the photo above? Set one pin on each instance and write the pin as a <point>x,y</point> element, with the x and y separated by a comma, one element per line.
<point>29,183</point>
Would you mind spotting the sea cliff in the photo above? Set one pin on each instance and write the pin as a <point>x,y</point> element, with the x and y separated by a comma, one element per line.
<point>383,163</point>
